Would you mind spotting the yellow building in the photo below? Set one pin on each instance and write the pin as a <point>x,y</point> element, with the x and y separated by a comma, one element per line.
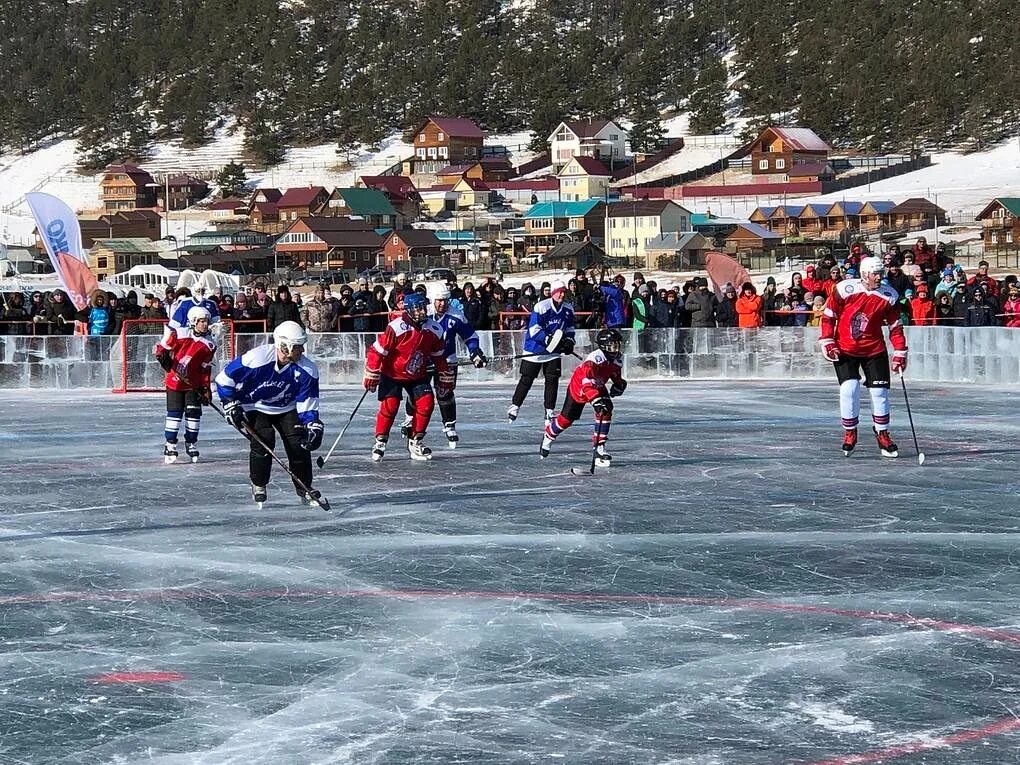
<point>632,227</point>
<point>584,178</point>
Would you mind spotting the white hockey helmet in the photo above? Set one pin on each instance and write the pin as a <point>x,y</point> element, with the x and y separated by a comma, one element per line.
<point>441,293</point>
<point>196,313</point>
<point>198,292</point>
<point>289,334</point>
<point>872,265</point>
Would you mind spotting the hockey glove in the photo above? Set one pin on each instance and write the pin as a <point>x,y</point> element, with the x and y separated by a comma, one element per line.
<point>899,362</point>
<point>164,357</point>
<point>371,380</point>
<point>478,358</point>
<point>603,406</point>
<point>445,384</point>
<point>566,346</point>
<point>617,388</point>
<point>552,343</point>
<point>233,414</point>
<point>204,395</point>
<point>313,435</point>
<point>829,349</point>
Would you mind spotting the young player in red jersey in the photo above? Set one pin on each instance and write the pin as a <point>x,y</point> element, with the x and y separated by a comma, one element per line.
<point>188,364</point>
<point>852,340</point>
<point>399,361</point>
<point>588,386</point>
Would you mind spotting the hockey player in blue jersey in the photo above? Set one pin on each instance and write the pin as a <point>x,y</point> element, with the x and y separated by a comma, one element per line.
<point>550,334</point>
<point>275,387</point>
<point>178,323</point>
<point>454,325</point>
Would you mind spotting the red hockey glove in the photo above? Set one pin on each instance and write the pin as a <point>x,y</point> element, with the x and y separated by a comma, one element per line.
<point>445,385</point>
<point>829,349</point>
<point>899,362</point>
<point>371,381</point>
<point>602,405</point>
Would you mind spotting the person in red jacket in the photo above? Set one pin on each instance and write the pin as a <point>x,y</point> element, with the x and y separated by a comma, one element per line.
<point>1011,306</point>
<point>587,385</point>
<point>810,283</point>
<point>982,279</point>
<point>187,361</point>
<point>399,361</point>
<point>852,340</point>
<point>922,307</point>
<point>923,253</point>
<point>749,306</point>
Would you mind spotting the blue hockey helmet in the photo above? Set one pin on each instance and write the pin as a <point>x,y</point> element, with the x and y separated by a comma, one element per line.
<point>416,308</point>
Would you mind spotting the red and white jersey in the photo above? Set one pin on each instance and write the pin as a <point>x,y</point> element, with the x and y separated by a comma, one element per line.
<point>192,365</point>
<point>592,375</point>
<point>404,352</point>
<point>854,317</point>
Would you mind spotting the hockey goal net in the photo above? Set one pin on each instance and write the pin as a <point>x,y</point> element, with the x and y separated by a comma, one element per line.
<point>133,364</point>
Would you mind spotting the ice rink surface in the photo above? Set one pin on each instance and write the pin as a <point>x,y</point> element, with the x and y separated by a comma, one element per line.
<point>731,592</point>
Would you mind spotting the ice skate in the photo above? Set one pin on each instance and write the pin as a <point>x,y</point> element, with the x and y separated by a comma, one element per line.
<point>512,412</point>
<point>601,458</point>
<point>543,450</point>
<point>258,494</point>
<point>419,452</point>
<point>885,443</point>
<point>379,449</point>
<point>192,450</point>
<point>849,441</point>
<point>169,453</point>
<point>450,431</point>
<point>405,426</point>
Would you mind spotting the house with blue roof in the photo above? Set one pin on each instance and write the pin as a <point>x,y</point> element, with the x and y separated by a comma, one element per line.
<point>547,224</point>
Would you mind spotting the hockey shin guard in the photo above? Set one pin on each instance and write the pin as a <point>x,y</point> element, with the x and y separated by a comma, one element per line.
<point>172,426</point>
<point>600,433</point>
<point>880,407</point>
<point>388,409</point>
<point>850,403</point>
<point>448,408</point>
<point>557,425</point>
<point>423,408</point>
<point>552,385</point>
<point>192,417</point>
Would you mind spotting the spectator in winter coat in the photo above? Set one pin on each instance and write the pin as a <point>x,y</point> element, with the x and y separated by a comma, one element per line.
<point>896,279</point>
<point>282,309</point>
<point>817,310</point>
<point>922,308</point>
<point>983,280</point>
<point>910,268</point>
<point>259,308</point>
<point>809,282</point>
<point>528,297</point>
<point>60,313</point>
<point>701,305</point>
<point>614,303</point>
<point>97,315</point>
<point>1011,306</point>
<point>802,312</point>
<point>320,313</point>
<point>514,318</point>
<point>661,314</point>
<point>748,307</point>
<point>726,308</point>
<point>797,289</point>
<point>980,313</point>
<point>639,307</point>
<point>401,286</point>
<point>944,313</point>
<point>362,292</point>
<point>15,316</point>
<point>472,305</point>
<point>923,253</point>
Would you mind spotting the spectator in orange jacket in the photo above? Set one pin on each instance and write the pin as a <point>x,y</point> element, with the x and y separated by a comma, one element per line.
<point>748,306</point>
<point>922,307</point>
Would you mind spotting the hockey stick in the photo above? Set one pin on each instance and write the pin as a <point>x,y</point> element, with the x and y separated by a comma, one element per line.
<point>591,469</point>
<point>253,437</point>
<point>910,419</point>
<point>320,461</point>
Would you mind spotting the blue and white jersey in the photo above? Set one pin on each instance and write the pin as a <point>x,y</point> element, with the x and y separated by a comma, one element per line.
<point>455,325</point>
<point>259,384</point>
<point>545,319</point>
<point>179,319</point>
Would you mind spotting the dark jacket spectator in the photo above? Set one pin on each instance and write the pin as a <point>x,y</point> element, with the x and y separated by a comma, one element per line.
<point>60,313</point>
<point>282,309</point>
<point>401,286</point>
<point>980,313</point>
<point>701,305</point>
<point>660,312</point>
<point>15,316</point>
<point>726,308</point>
<point>472,305</point>
<point>944,311</point>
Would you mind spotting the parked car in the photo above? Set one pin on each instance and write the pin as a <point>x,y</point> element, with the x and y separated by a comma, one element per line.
<point>445,274</point>
<point>377,275</point>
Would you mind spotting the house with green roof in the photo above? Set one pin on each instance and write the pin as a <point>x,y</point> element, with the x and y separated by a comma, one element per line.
<point>1000,222</point>
<point>370,205</point>
<point>547,224</point>
<point>113,256</point>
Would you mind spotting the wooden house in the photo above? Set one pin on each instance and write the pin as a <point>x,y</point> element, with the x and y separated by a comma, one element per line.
<point>762,216</point>
<point>124,224</point>
<point>367,204</point>
<point>810,223</point>
<point>453,140</point>
<point>916,213</point>
<point>844,215</point>
<point>113,256</point>
<point>549,223</point>
<point>126,187</point>
<point>751,236</point>
<point>1000,222</point>
<point>185,191</point>
<point>678,250</point>
<point>229,209</point>
<point>413,249</point>
<point>777,149</point>
<point>599,139</point>
<point>301,202</point>
<point>324,243</point>
<point>399,190</point>
<point>785,220</point>
<point>875,215</point>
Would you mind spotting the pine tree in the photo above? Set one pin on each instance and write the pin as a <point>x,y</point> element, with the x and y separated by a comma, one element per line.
<point>232,180</point>
<point>707,102</point>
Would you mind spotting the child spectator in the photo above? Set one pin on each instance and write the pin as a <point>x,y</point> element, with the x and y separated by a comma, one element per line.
<point>922,308</point>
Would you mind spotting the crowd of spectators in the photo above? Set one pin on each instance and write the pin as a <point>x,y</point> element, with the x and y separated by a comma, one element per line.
<point>932,290</point>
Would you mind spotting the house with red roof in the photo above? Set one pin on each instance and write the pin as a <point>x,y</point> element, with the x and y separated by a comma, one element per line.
<point>323,243</point>
<point>399,190</point>
<point>301,202</point>
<point>601,139</point>
<point>452,140</point>
<point>584,178</point>
<point>126,187</point>
<point>778,149</point>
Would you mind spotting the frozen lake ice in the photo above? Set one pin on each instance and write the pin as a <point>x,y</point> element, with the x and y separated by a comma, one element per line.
<point>731,592</point>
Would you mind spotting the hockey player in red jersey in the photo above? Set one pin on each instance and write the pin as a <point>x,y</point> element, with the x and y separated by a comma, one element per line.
<point>852,340</point>
<point>399,361</point>
<point>588,386</point>
<point>188,364</point>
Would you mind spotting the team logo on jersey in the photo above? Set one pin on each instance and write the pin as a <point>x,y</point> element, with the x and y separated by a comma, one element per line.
<point>415,364</point>
<point>858,325</point>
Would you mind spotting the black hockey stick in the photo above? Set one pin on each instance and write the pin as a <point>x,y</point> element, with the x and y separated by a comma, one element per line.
<point>320,461</point>
<point>910,419</point>
<point>591,468</point>
<point>252,436</point>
